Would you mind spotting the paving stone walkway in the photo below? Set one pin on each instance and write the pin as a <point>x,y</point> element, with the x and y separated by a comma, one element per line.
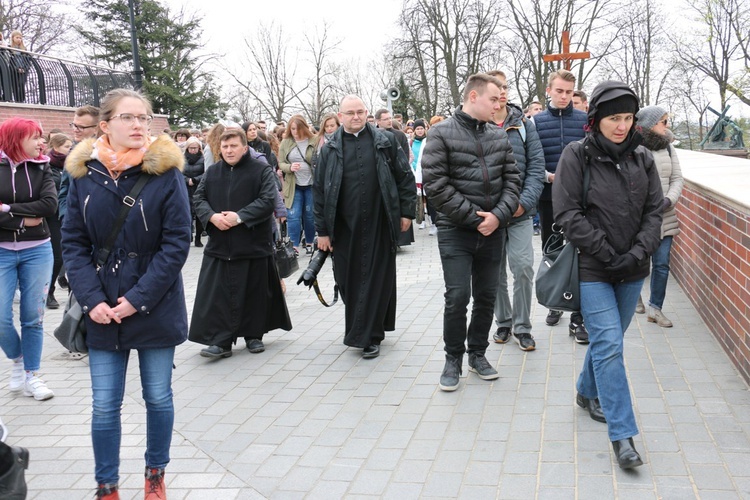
<point>309,418</point>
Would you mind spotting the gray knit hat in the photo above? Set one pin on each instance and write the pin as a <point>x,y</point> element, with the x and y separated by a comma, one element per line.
<point>650,116</point>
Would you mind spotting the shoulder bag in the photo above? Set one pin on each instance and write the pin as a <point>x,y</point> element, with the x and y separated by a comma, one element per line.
<point>557,283</point>
<point>72,330</point>
<point>283,254</point>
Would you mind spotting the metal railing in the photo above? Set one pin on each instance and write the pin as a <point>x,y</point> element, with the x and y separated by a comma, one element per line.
<point>30,78</point>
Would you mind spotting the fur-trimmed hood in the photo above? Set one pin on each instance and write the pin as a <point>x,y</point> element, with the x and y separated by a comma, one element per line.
<point>162,155</point>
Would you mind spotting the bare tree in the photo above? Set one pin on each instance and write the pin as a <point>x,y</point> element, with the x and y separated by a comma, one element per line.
<point>638,51</point>
<point>271,80</point>
<point>716,44</point>
<point>322,96</point>
<point>43,23</point>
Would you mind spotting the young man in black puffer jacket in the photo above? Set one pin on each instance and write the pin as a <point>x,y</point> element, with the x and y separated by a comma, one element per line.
<point>470,177</point>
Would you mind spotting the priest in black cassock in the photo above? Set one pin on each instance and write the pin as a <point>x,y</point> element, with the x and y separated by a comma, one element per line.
<point>239,292</point>
<point>364,197</point>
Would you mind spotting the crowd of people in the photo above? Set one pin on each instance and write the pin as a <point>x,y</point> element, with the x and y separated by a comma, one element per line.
<point>350,186</point>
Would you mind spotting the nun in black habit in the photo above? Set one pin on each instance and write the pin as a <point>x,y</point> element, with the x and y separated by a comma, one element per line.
<point>239,292</point>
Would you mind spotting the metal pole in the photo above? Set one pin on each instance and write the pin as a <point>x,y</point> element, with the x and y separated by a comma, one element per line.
<point>137,72</point>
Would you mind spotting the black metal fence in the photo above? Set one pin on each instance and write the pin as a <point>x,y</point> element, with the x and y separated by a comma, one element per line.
<point>26,77</point>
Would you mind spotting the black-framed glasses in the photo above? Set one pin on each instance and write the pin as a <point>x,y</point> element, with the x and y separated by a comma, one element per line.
<point>80,128</point>
<point>130,118</point>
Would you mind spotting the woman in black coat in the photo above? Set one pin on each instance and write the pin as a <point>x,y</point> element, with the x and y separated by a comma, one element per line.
<point>615,229</point>
<point>194,169</point>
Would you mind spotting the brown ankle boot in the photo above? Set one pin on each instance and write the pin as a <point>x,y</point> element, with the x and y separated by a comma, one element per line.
<point>107,492</point>
<point>155,488</point>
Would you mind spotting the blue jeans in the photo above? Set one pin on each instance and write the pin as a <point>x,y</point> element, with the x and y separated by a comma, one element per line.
<point>108,373</point>
<point>471,263</point>
<point>302,213</point>
<point>30,270</point>
<point>660,273</point>
<point>607,309</point>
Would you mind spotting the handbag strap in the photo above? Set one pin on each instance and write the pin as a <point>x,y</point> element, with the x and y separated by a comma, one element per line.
<point>127,203</point>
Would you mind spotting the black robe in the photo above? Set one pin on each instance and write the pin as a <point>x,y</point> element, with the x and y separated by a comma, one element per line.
<point>239,291</point>
<point>363,257</point>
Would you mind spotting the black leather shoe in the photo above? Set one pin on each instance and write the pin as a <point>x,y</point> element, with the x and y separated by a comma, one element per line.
<point>63,282</point>
<point>198,243</point>
<point>255,346</point>
<point>627,457</point>
<point>593,406</point>
<point>52,303</point>
<point>216,352</point>
<point>371,352</point>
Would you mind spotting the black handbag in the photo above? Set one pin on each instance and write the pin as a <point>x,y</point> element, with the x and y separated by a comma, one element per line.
<point>283,254</point>
<point>557,285</point>
<point>557,282</point>
<point>71,332</point>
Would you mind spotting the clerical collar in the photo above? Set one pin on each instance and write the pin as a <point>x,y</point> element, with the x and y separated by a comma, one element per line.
<point>356,134</point>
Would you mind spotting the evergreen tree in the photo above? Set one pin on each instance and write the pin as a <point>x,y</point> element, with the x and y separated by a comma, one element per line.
<point>167,42</point>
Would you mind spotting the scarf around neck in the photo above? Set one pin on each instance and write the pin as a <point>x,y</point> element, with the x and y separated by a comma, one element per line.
<point>117,162</point>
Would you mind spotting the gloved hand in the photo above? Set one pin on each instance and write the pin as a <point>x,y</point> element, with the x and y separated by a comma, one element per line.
<point>666,204</point>
<point>622,267</point>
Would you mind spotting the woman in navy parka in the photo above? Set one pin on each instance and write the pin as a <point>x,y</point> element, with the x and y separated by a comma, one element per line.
<point>136,300</point>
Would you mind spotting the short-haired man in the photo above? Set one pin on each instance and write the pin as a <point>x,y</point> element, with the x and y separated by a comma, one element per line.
<point>384,120</point>
<point>470,177</point>
<point>518,250</point>
<point>364,197</point>
<point>559,125</point>
<point>398,117</point>
<point>534,108</point>
<point>371,119</point>
<point>580,101</point>
<point>85,125</point>
<point>239,292</point>
<point>261,125</point>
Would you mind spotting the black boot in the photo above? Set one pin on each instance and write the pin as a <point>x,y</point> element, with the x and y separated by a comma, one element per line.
<point>627,456</point>
<point>12,481</point>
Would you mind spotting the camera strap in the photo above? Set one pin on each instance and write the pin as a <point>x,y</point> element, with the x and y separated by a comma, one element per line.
<point>320,294</point>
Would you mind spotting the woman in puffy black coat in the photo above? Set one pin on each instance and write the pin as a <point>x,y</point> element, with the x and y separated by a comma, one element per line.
<point>194,169</point>
<point>136,300</point>
<point>615,230</point>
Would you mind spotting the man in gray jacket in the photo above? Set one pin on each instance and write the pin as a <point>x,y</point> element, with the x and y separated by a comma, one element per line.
<point>470,177</point>
<point>518,250</point>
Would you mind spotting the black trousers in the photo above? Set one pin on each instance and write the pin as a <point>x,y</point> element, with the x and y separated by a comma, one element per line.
<point>55,224</point>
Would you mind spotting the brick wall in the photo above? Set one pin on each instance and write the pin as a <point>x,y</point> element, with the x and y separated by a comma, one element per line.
<point>57,117</point>
<point>711,261</point>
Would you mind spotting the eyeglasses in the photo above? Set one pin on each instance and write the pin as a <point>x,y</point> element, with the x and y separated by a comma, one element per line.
<point>361,112</point>
<point>129,118</point>
<point>80,128</point>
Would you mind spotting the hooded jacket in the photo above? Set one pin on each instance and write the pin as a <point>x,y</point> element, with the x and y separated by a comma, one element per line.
<point>146,260</point>
<point>527,149</point>
<point>468,166</point>
<point>623,202</point>
<point>30,190</point>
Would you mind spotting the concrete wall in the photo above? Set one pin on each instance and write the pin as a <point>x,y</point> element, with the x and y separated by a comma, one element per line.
<point>711,256</point>
<point>57,117</point>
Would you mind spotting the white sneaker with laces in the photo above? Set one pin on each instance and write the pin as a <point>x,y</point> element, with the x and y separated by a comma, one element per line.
<point>37,388</point>
<point>17,375</point>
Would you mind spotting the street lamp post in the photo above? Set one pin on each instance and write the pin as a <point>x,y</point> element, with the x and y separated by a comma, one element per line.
<point>137,71</point>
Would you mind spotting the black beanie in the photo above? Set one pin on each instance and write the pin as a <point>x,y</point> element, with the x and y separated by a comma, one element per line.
<point>419,123</point>
<point>622,104</point>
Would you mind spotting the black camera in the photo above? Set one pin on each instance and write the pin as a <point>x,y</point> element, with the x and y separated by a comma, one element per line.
<point>310,275</point>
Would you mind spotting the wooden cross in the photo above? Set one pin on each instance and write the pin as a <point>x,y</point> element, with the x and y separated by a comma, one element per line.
<point>566,55</point>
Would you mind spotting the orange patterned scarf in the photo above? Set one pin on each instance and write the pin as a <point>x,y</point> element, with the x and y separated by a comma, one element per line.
<point>117,162</point>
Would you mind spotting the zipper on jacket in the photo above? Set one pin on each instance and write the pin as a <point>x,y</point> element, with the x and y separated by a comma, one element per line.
<point>140,203</point>
<point>85,205</point>
<point>485,173</point>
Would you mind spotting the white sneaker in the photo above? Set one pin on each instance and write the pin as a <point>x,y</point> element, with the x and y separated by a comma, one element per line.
<point>421,226</point>
<point>17,375</point>
<point>37,388</point>
<point>3,431</point>
<point>433,230</point>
